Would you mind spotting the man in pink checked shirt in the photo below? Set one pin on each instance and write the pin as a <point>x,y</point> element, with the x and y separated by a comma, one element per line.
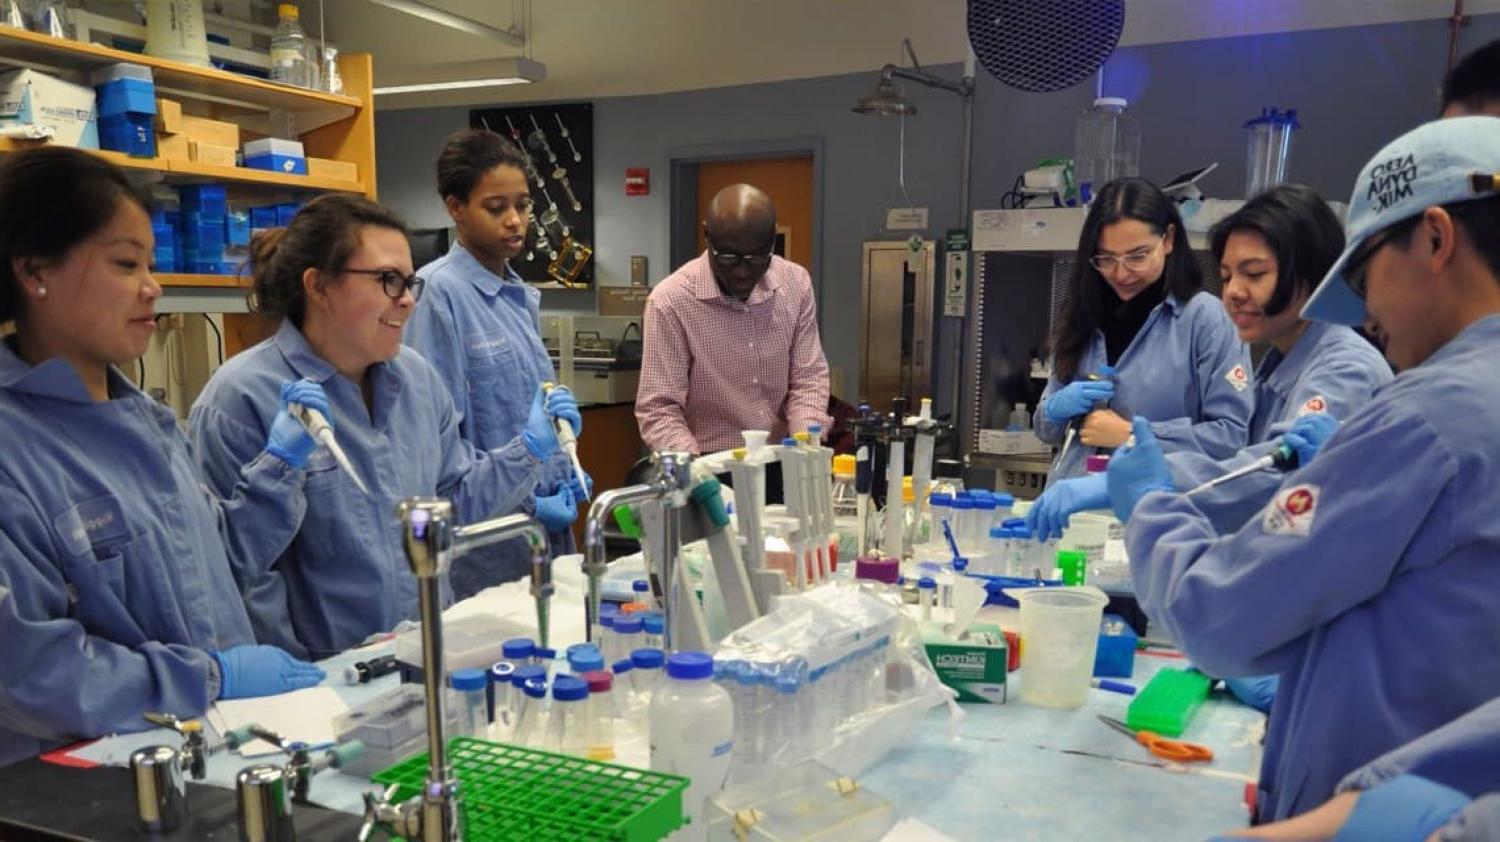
<point>731,339</point>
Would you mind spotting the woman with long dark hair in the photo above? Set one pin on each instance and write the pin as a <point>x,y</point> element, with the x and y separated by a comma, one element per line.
<point>1139,336</point>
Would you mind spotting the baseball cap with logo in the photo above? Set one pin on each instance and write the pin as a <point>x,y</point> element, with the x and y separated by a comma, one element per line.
<point>1439,163</point>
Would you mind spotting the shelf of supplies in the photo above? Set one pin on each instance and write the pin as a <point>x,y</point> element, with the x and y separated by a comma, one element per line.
<point>229,93</point>
<point>174,171</point>
<point>174,279</point>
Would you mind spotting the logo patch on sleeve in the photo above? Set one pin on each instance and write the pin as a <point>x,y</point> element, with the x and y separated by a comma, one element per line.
<point>1316,403</point>
<point>1291,511</point>
<point>1238,378</point>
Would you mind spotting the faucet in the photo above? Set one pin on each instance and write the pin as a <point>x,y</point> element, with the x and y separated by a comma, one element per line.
<point>670,485</point>
<point>431,541</point>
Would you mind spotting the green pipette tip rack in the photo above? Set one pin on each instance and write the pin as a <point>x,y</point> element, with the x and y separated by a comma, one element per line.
<point>510,792</point>
<point>1167,703</point>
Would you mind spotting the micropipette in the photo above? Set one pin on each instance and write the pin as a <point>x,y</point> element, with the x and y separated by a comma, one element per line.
<point>569,441</point>
<point>322,432</point>
<point>1283,458</point>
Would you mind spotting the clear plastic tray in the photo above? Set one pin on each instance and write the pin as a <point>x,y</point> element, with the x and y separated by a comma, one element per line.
<point>809,801</point>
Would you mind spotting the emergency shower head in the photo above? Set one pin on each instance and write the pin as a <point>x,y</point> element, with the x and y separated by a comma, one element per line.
<point>885,102</point>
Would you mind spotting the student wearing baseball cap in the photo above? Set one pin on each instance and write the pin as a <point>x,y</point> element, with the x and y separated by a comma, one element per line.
<point>1368,583</point>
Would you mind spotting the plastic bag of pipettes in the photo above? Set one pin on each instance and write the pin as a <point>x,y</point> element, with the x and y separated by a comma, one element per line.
<point>836,674</point>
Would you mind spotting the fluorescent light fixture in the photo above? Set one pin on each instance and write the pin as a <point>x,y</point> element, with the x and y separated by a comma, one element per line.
<point>511,71</point>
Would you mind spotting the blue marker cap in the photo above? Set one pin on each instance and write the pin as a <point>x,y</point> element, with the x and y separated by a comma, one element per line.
<point>468,679</point>
<point>647,658</point>
<point>566,688</point>
<point>517,648</point>
<point>690,665</point>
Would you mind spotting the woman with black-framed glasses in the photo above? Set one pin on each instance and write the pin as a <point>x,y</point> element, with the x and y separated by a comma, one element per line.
<point>340,279</point>
<point>1136,304</point>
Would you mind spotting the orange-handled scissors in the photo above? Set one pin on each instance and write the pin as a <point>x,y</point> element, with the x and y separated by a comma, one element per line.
<point>1174,750</point>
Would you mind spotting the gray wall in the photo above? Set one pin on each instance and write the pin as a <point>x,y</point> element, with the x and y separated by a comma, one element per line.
<point>1354,89</point>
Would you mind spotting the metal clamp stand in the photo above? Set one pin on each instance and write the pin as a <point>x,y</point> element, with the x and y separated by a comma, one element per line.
<point>430,541</point>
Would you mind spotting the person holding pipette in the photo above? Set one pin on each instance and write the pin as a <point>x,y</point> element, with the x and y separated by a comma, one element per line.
<point>340,279</point>
<point>1368,582</point>
<point>1271,253</point>
<point>117,596</point>
<point>1136,305</point>
<point>479,324</point>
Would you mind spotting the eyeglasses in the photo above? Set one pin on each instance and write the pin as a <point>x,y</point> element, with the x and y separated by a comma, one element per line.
<point>729,260</point>
<point>394,282</point>
<point>1134,261</point>
<point>1354,272</point>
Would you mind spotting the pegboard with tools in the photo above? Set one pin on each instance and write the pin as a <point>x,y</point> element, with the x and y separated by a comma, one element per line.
<point>558,141</point>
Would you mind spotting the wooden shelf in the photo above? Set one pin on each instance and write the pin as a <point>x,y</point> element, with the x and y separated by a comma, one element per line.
<point>174,279</point>
<point>229,93</point>
<point>177,171</point>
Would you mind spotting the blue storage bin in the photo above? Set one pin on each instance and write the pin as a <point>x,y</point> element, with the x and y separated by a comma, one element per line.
<point>264,217</point>
<point>125,96</point>
<point>206,199</point>
<point>204,238</point>
<point>284,164</point>
<point>205,267</point>
<point>1115,657</point>
<point>132,134</point>
<point>285,211</point>
<point>237,228</point>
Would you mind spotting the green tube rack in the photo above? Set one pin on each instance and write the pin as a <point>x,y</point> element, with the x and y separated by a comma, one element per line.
<point>515,793</point>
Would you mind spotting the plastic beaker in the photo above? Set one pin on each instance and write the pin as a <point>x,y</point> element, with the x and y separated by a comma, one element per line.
<point>1269,143</point>
<point>1059,636</point>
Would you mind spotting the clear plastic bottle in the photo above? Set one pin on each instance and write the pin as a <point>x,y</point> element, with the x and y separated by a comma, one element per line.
<point>518,651</point>
<point>692,734</point>
<point>609,644</point>
<point>642,591</point>
<point>749,719</point>
<point>333,82</point>
<point>927,595</point>
<point>1106,146</point>
<point>628,636</point>
<point>1004,504</point>
<point>1020,419</point>
<point>529,709</point>
<point>584,657</point>
<point>845,498</point>
<point>789,720</point>
<point>961,521</point>
<point>653,628</point>
<point>567,726</point>
<point>600,718</point>
<point>473,716</point>
<point>502,700</point>
<point>647,673</point>
<point>623,694</point>
<point>996,559</point>
<point>289,64</point>
<point>985,507</point>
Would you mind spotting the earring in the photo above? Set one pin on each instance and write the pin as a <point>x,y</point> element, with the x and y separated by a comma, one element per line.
<point>41,291</point>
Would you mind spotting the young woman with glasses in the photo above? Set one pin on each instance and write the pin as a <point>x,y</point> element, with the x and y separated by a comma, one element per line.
<point>1136,304</point>
<point>340,280</point>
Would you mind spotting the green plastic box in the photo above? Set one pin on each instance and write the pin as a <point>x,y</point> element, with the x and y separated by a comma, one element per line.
<point>1168,702</point>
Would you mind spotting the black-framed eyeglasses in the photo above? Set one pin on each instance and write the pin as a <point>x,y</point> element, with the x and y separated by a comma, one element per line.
<point>1354,272</point>
<point>729,260</point>
<point>394,282</point>
<point>1134,261</point>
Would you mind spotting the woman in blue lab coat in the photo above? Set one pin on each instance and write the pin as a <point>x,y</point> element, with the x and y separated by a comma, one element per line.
<point>1368,582</point>
<point>1271,253</point>
<point>340,279</point>
<point>1136,303</point>
<point>479,326</point>
<point>116,596</point>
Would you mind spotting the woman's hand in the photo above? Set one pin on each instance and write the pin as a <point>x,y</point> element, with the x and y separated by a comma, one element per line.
<point>1104,428</point>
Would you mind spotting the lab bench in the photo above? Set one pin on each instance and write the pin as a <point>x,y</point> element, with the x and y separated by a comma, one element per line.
<point>1011,770</point>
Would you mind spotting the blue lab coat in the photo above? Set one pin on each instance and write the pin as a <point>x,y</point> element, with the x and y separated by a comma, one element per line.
<point>345,576</point>
<point>1368,583</point>
<point>114,583</point>
<point>482,333</point>
<point>1186,370</point>
<point>1331,369</point>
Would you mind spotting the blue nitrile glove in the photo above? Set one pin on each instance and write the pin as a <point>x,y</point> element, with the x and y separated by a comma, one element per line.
<point>1257,692</point>
<point>1308,433</point>
<point>581,492</point>
<point>256,670</point>
<point>539,435</point>
<point>562,404</point>
<point>557,511</point>
<point>1136,470</point>
<point>289,440</point>
<point>1077,398</point>
<point>1404,807</point>
<point>1048,516</point>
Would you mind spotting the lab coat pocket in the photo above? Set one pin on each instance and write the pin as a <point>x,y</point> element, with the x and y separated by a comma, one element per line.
<point>499,392</point>
<point>98,593</point>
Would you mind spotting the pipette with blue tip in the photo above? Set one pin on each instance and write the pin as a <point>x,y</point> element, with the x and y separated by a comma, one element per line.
<point>322,432</point>
<point>568,439</point>
<point>1283,458</point>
